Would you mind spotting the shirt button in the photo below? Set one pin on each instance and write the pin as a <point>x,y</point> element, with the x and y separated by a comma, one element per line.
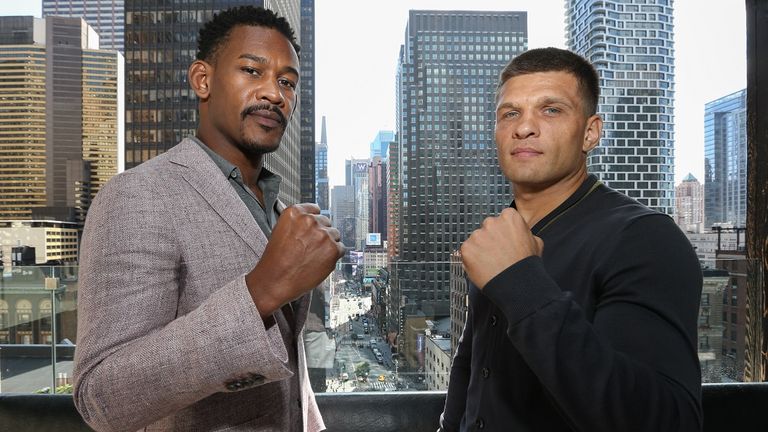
<point>494,320</point>
<point>485,372</point>
<point>480,423</point>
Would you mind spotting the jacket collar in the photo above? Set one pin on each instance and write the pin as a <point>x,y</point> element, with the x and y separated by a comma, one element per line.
<point>206,177</point>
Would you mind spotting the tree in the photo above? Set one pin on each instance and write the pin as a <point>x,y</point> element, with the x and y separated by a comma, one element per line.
<point>362,370</point>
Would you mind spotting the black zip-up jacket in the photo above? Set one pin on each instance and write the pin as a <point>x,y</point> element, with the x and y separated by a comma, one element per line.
<point>598,334</point>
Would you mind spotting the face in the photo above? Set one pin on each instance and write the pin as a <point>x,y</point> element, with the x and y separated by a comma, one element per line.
<point>542,130</point>
<point>252,89</point>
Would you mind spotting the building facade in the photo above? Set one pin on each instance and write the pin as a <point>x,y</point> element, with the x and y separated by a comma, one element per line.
<point>393,200</point>
<point>448,174</point>
<point>343,213</point>
<point>321,172</point>
<point>107,17</point>
<point>437,362</point>
<point>459,301</point>
<point>689,204</point>
<point>710,326</point>
<point>725,160</point>
<point>62,124</point>
<point>357,177</point>
<point>377,197</point>
<point>307,94</point>
<point>380,144</point>
<point>161,108</point>
<point>630,43</point>
<point>53,241</point>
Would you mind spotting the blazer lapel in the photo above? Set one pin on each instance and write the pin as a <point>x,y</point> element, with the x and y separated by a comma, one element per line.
<point>204,175</point>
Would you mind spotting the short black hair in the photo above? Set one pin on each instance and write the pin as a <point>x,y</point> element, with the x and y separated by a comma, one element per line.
<point>216,31</point>
<point>556,60</point>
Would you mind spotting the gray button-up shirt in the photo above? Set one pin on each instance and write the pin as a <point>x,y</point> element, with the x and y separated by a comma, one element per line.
<point>269,183</point>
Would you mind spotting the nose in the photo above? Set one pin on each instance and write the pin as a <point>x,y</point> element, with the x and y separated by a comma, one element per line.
<point>270,90</point>
<point>525,127</point>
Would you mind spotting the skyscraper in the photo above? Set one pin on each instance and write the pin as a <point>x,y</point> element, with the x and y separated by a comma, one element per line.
<point>307,94</point>
<point>343,213</point>
<point>161,108</point>
<point>377,197</point>
<point>725,160</point>
<point>357,177</point>
<point>107,17</point>
<point>321,172</point>
<point>448,170</point>
<point>380,144</point>
<point>630,43</point>
<point>62,117</point>
<point>393,201</point>
<point>689,203</point>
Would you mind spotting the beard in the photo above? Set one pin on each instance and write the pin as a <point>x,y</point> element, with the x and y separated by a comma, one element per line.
<point>256,146</point>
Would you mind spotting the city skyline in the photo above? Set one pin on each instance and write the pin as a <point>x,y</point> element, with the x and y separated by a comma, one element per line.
<point>340,50</point>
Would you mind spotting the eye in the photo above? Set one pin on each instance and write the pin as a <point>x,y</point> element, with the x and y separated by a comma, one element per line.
<point>551,110</point>
<point>509,114</point>
<point>251,71</point>
<point>287,83</point>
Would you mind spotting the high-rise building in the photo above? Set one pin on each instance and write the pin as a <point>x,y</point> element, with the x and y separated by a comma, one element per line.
<point>393,200</point>
<point>630,43</point>
<point>343,213</point>
<point>380,144</point>
<point>725,160</point>
<point>321,172</point>
<point>357,177</point>
<point>107,17</point>
<point>377,197</point>
<point>307,94</point>
<point>689,203</point>
<point>161,108</point>
<point>449,179</point>
<point>61,126</point>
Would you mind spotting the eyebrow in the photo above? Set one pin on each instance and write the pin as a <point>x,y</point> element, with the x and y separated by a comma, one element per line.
<point>263,60</point>
<point>546,100</point>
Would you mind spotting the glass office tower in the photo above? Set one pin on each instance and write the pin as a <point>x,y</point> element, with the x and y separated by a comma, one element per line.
<point>725,160</point>
<point>107,17</point>
<point>448,175</point>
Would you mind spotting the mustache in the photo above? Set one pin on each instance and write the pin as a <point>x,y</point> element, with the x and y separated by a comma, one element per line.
<point>264,106</point>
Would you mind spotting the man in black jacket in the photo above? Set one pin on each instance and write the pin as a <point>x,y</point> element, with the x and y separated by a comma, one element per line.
<point>583,302</point>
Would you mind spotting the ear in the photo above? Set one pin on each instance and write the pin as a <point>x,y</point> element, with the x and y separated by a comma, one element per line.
<point>199,76</point>
<point>592,133</point>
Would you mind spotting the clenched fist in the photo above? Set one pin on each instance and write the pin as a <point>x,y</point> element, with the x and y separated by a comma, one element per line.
<point>500,242</point>
<point>302,251</point>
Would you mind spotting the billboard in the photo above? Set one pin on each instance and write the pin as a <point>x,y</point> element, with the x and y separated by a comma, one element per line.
<point>374,239</point>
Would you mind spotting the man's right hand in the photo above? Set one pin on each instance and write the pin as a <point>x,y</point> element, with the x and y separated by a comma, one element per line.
<point>302,251</point>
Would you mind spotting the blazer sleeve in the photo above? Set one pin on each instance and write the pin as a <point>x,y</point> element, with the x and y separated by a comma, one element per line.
<point>136,361</point>
<point>635,365</point>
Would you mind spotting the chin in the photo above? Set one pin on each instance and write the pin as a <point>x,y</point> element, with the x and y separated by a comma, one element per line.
<point>255,148</point>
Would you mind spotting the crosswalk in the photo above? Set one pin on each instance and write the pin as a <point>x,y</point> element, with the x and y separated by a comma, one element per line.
<point>382,386</point>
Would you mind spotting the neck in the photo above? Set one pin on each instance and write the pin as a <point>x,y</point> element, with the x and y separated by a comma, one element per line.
<point>534,202</point>
<point>249,164</point>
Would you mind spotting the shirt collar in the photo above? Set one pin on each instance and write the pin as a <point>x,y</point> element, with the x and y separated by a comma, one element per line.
<point>230,170</point>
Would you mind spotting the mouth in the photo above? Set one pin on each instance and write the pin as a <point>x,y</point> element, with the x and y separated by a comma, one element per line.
<point>525,152</point>
<point>267,119</point>
<point>265,116</point>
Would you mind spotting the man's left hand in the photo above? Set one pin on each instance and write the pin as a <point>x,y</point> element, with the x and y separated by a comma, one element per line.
<point>500,242</point>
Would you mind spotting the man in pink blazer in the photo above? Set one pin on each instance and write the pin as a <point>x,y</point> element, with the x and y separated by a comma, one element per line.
<point>194,280</point>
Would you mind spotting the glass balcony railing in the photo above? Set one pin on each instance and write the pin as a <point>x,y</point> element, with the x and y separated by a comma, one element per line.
<point>38,305</point>
<point>374,326</point>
